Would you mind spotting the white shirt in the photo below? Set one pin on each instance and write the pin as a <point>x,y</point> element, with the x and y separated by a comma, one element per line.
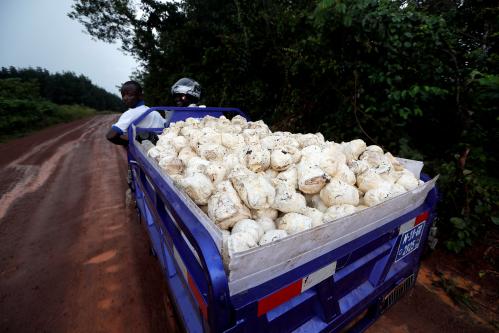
<point>152,120</point>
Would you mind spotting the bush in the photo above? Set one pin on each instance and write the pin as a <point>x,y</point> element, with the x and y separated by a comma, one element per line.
<point>419,78</point>
<point>20,116</point>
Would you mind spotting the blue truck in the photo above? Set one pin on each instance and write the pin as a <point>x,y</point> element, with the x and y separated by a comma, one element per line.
<point>353,271</point>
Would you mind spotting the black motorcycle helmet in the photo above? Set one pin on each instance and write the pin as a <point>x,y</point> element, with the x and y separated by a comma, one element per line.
<point>186,91</point>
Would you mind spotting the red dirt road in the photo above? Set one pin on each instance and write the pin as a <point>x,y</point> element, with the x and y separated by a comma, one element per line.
<point>73,258</point>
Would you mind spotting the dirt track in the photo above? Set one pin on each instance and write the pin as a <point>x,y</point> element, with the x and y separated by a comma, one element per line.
<point>73,258</point>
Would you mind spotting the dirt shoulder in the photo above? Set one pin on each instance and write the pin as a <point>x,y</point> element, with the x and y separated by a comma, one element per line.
<point>451,295</point>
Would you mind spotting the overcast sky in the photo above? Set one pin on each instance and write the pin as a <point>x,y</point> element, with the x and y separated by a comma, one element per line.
<point>38,33</point>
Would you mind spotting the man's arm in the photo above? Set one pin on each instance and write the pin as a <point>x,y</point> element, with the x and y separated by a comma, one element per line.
<point>117,138</point>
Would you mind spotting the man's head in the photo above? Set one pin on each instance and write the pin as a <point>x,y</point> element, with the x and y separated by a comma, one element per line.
<point>131,93</point>
<point>186,91</point>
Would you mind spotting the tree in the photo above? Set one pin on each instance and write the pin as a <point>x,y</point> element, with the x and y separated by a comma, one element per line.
<point>418,78</point>
<point>65,88</point>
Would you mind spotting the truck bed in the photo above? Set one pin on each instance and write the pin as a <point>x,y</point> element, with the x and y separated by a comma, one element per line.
<point>323,279</point>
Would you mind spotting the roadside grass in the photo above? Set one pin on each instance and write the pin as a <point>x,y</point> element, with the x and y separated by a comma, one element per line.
<point>21,117</point>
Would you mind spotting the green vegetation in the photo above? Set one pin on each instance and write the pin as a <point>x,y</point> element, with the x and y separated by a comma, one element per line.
<point>22,110</point>
<point>418,77</point>
<point>19,117</point>
<point>61,88</point>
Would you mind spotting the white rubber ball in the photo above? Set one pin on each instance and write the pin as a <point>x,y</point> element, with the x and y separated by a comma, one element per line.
<point>250,227</point>
<point>272,235</point>
<point>294,223</point>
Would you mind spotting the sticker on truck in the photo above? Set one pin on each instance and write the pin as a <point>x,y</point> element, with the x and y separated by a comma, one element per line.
<point>294,289</point>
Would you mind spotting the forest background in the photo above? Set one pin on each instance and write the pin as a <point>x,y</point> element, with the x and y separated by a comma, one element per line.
<point>420,78</point>
<point>33,98</point>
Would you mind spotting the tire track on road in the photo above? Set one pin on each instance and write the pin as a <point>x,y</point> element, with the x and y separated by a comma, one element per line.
<point>32,177</point>
<point>72,258</point>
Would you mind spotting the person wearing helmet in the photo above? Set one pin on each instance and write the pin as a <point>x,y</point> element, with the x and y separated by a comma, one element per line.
<point>186,92</point>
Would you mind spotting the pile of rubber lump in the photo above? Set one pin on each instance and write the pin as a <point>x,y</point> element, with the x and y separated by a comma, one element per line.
<point>259,186</point>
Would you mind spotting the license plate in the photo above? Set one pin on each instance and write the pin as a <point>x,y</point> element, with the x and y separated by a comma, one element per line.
<point>410,241</point>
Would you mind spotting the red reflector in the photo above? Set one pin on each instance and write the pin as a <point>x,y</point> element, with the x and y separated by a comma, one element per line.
<point>281,296</point>
<point>421,217</point>
<point>197,295</point>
